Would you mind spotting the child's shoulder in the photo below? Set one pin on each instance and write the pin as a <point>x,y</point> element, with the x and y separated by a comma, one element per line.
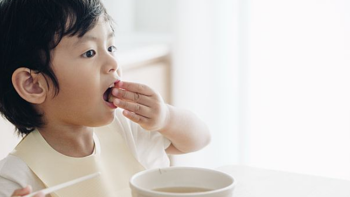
<point>12,166</point>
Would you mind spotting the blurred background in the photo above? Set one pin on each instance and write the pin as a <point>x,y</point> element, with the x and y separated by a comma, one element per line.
<point>270,78</point>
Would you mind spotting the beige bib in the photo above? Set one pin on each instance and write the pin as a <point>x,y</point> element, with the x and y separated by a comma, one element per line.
<point>114,161</point>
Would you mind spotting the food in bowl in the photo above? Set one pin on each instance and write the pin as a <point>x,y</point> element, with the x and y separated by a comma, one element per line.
<point>182,181</point>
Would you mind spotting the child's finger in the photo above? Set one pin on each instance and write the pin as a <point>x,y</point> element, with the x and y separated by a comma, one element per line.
<point>23,191</point>
<point>135,87</point>
<point>133,107</point>
<point>131,96</point>
<point>135,118</point>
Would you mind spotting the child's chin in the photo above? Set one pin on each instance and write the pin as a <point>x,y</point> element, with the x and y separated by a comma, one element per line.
<point>106,121</point>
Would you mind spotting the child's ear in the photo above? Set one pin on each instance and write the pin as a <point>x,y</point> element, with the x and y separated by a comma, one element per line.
<point>31,86</point>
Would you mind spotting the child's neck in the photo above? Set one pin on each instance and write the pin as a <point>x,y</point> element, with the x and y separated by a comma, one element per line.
<point>72,142</point>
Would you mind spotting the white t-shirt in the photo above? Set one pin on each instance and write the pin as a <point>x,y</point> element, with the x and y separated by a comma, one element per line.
<point>148,147</point>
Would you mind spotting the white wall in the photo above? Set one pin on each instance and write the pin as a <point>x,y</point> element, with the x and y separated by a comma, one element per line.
<point>141,16</point>
<point>205,75</point>
<point>297,98</point>
<point>154,16</point>
<point>8,139</point>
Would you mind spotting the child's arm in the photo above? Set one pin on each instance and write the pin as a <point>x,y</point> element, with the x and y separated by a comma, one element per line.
<point>185,130</point>
<point>146,107</point>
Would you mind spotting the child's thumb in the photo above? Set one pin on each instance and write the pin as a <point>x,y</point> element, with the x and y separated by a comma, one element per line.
<point>23,191</point>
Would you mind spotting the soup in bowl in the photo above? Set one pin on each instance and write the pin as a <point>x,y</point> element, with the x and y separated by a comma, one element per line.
<point>182,182</point>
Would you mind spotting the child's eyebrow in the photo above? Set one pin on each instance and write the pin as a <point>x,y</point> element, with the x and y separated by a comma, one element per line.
<point>86,38</point>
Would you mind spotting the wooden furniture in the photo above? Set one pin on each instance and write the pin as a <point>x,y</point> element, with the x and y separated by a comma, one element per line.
<point>147,64</point>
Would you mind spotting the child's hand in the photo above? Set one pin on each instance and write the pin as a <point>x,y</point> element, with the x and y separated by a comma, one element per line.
<point>25,191</point>
<point>142,105</point>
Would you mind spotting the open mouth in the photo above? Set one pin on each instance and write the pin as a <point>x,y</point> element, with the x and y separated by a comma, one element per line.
<point>107,94</point>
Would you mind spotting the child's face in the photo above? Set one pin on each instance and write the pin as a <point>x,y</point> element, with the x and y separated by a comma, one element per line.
<point>85,67</point>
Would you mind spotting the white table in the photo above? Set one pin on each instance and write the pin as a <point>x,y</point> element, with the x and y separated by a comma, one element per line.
<point>255,182</point>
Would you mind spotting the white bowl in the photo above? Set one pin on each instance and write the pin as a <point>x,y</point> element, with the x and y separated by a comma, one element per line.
<point>147,183</point>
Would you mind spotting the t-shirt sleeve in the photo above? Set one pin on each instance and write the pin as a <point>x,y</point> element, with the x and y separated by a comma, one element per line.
<point>148,147</point>
<point>15,174</point>
<point>7,187</point>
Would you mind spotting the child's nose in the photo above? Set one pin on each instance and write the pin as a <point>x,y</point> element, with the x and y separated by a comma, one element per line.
<point>114,68</point>
<point>111,64</point>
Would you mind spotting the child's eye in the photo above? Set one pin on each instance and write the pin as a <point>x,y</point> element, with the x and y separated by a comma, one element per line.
<point>112,49</point>
<point>89,53</point>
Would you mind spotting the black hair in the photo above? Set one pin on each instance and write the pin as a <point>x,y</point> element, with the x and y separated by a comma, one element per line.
<point>29,30</point>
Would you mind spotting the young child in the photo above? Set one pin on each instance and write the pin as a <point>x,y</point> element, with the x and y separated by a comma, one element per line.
<point>60,88</point>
